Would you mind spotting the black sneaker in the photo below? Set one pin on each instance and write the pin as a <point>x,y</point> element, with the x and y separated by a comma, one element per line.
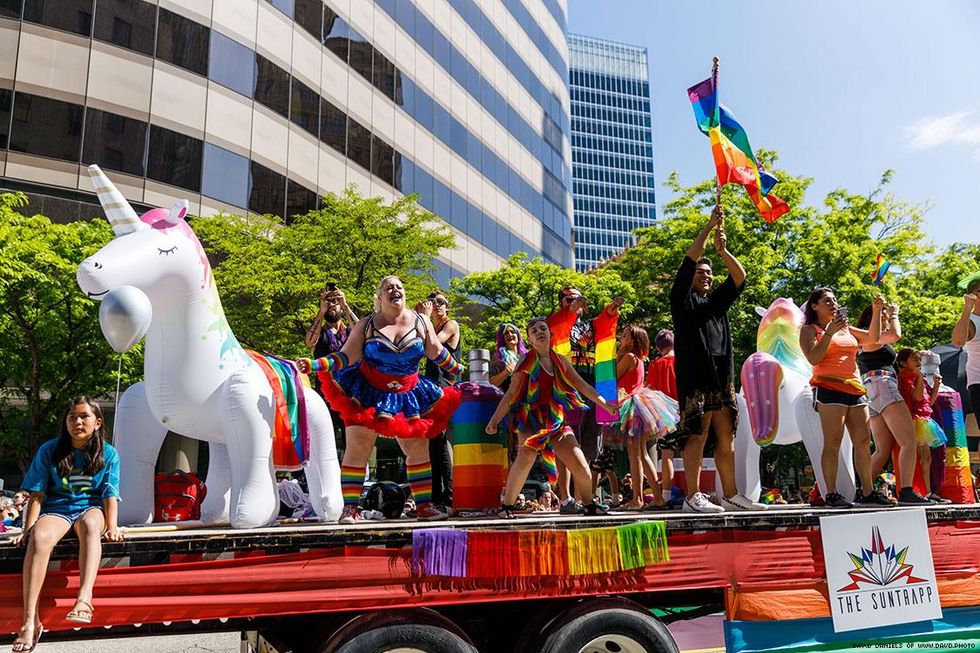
<point>876,498</point>
<point>835,500</point>
<point>909,497</point>
<point>938,499</point>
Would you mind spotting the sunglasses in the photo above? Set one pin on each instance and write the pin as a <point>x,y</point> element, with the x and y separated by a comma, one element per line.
<point>439,301</point>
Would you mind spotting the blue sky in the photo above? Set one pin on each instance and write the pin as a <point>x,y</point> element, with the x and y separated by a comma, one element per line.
<point>842,89</point>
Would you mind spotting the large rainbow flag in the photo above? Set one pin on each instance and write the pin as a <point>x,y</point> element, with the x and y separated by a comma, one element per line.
<point>604,331</point>
<point>734,159</point>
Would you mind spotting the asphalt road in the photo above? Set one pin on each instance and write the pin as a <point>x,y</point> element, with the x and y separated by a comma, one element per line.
<point>202,643</point>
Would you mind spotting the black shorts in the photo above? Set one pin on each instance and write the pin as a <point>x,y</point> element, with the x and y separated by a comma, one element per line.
<point>974,391</point>
<point>837,398</point>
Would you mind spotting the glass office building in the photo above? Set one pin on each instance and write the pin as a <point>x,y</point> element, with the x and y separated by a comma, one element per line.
<point>612,147</point>
<point>264,105</point>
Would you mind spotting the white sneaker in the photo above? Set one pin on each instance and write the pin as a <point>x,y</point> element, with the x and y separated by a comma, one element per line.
<point>741,502</point>
<point>699,503</point>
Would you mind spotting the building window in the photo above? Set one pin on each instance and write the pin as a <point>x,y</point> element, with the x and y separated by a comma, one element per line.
<point>69,15</point>
<point>300,200</point>
<point>308,15</point>
<point>46,127</point>
<point>6,100</point>
<point>384,75</point>
<point>129,24</point>
<point>285,6</point>
<point>182,42</point>
<point>361,54</point>
<point>174,158</point>
<point>267,191</point>
<point>358,143</point>
<point>114,142</point>
<point>10,8</point>
<point>231,64</point>
<point>336,34</point>
<point>333,126</point>
<point>304,107</point>
<point>381,160</point>
<point>272,86</point>
<point>225,175</point>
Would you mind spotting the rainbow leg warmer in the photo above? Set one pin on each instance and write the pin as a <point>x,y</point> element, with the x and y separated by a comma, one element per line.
<point>351,483</point>
<point>420,480</point>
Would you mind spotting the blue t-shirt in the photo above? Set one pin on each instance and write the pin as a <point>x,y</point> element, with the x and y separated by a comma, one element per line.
<point>78,490</point>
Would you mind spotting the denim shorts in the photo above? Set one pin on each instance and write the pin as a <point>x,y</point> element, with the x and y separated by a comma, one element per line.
<point>882,392</point>
<point>71,516</point>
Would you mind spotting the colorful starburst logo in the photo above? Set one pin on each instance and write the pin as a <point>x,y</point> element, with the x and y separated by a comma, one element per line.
<point>880,565</point>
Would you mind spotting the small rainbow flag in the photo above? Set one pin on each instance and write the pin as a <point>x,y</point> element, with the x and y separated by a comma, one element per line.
<point>880,270</point>
<point>604,329</point>
<point>735,161</point>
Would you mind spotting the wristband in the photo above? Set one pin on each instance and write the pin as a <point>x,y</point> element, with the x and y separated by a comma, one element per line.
<point>447,363</point>
<point>331,363</point>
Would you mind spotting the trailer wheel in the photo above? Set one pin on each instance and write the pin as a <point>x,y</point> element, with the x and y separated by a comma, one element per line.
<point>608,626</point>
<point>417,631</point>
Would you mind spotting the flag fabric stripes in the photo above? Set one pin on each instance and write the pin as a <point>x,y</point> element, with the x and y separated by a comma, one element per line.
<point>735,162</point>
<point>880,270</point>
<point>604,330</point>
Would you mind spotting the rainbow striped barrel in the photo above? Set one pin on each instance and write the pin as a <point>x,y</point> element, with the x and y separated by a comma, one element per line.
<point>958,482</point>
<point>479,460</point>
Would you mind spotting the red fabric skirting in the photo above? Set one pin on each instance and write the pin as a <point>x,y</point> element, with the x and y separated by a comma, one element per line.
<point>428,425</point>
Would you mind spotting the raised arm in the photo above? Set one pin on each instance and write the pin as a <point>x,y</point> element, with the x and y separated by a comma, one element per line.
<point>584,388</point>
<point>696,250</point>
<point>964,331</point>
<point>350,353</point>
<point>313,333</point>
<point>873,335</point>
<point>891,329</point>
<point>735,270</point>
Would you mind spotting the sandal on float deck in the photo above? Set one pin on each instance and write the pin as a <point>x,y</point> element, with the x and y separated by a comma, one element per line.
<point>81,615</point>
<point>507,511</point>
<point>23,647</point>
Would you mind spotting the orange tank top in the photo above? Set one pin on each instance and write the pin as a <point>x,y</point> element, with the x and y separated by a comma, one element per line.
<point>838,369</point>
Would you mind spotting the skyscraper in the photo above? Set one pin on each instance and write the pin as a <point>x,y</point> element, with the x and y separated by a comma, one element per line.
<point>612,146</point>
<point>264,105</point>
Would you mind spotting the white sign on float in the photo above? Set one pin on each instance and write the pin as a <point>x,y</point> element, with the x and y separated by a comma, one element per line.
<point>879,569</point>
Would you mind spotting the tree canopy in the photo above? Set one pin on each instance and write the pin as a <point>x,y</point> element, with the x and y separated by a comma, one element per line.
<point>270,273</point>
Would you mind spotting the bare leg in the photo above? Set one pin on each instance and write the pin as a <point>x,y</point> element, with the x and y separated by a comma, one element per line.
<point>519,470</point>
<point>902,430</point>
<point>858,426</point>
<point>89,530</point>
<point>47,532</point>
<point>568,451</point>
<point>692,455</point>
<point>650,471</point>
<point>724,425</point>
<point>636,472</point>
<point>667,474</point>
<point>360,443</point>
<point>884,442</point>
<point>832,424</point>
<point>416,450</point>
<point>562,483</point>
<point>925,462</point>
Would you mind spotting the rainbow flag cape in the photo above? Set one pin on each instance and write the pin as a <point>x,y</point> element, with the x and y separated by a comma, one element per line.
<point>880,270</point>
<point>290,436</point>
<point>604,330</point>
<point>735,161</point>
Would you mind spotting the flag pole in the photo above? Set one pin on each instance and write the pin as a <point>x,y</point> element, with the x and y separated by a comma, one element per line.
<point>714,85</point>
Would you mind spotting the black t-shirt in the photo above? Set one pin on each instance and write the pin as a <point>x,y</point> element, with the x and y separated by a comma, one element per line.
<point>330,341</point>
<point>879,359</point>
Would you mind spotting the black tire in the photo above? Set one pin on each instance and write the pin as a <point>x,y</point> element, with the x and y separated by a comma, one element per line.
<point>424,630</point>
<point>616,627</point>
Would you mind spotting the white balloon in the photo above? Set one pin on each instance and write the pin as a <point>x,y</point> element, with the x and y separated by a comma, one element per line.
<point>124,316</point>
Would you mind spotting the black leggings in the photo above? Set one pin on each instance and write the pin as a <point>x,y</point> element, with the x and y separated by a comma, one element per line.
<point>442,470</point>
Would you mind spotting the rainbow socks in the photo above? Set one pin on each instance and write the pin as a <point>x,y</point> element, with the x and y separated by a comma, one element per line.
<point>352,482</point>
<point>419,479</point>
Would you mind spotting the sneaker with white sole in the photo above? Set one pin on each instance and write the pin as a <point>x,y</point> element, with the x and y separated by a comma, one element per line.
<point>351,514</point>
<point>571,507</point>
<point>427,511</point>
<point>741,502</point>
<point>700,503</point>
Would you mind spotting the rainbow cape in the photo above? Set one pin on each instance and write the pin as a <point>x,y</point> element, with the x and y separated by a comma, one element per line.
<point>604,330</point>
<point>290,436</point>
<point>880,270</point>
<point>734,159</point>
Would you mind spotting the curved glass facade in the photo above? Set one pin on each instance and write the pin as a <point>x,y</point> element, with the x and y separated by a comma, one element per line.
<point>264,105</point>
<point>612,147</point>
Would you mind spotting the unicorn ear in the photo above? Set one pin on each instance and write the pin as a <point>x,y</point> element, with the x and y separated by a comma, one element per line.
<point>177,212</point>
<point>761,312</point>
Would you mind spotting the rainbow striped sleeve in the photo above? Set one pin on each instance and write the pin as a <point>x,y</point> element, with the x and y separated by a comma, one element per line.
<point>604,328</point>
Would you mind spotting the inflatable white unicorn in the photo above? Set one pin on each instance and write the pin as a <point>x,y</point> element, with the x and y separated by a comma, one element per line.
<point>776,402</point>
<point>199,382</point>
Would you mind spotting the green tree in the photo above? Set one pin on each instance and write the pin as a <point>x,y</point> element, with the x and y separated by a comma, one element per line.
<point>832,245</point>
<point>523,288</point>
<point>270,273</point>
<point>53,348</point>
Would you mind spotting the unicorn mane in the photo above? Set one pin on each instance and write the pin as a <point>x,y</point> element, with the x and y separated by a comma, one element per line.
<point>779,336</point>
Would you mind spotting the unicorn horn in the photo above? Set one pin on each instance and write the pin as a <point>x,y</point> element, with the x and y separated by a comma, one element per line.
<point>120,214</point>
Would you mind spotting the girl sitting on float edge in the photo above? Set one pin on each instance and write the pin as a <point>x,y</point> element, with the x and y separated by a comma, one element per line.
<point>543,387</point>
<point>74,485</point>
